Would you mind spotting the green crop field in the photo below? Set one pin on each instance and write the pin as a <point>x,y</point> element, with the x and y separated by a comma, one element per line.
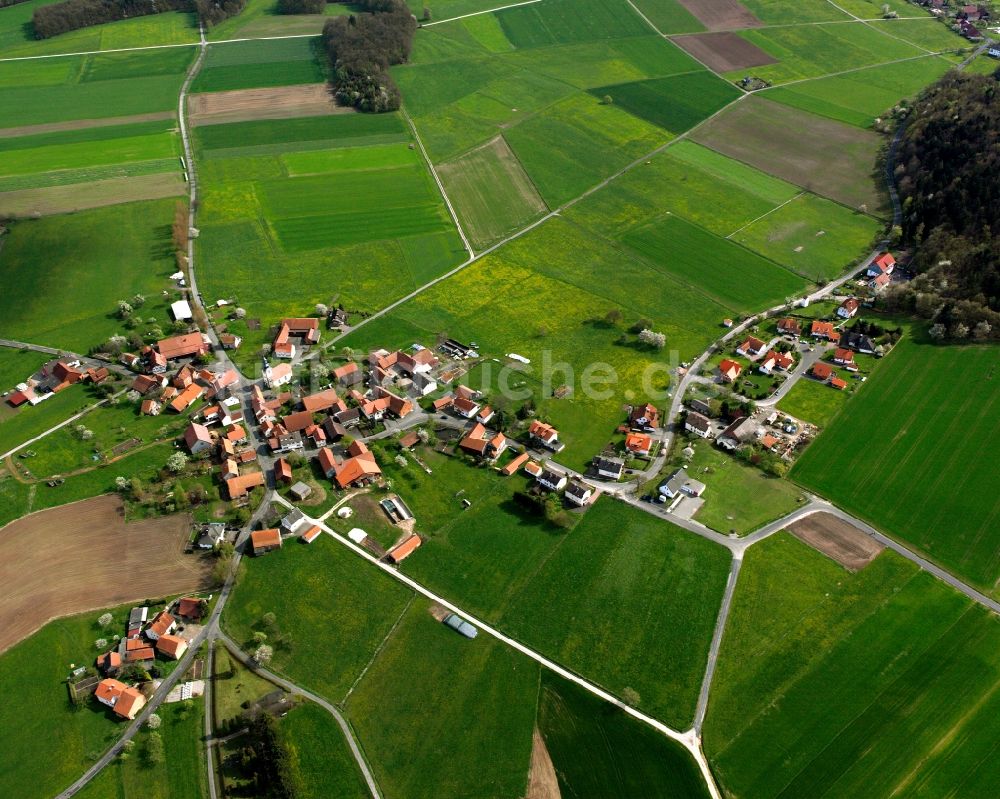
<point>929,33</point>
<point>89,261</point>
<point>181,775</point>
<point>829,683</point>
<point>40,709</point>
<point>314,590</point>
<point>598,750</point>
<point>338,130</point>
<point>859,97</point>
<point>477,742</point>
<point>779,12</point>
<point>569,21</point>
<point>730,274</point>
<point>17,35</point>
<point>491,192</point>
<point>325,763</point>
<point>669,16</point>
<point>675,103</point>
<point>930,455</point>
<point>318,162</point>
<point>809,51</point>
<point>739,498</point>
<point>257,64</point>
<point>716,192</point>
<point>813,236</point>
<point>91,87</point>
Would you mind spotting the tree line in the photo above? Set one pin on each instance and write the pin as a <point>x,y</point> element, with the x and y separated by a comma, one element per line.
<point>947,165</point>
<point>70,15</point>
<point>267,761</point>
<point>301,6</point>
<point>361,48</point>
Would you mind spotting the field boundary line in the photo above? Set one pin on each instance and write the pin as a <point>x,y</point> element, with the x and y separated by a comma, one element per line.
<point>848,72</point>
<point>725,606</point>
<point>478,13</point>
<point>437,180</point>
<point>99,52</point>
<point>688,739</point>
<point>753,221</point>
<point>378,650</point>
<point>61,425</point>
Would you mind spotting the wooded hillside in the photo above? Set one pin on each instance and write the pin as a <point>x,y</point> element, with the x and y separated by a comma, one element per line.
<point>948,165</point>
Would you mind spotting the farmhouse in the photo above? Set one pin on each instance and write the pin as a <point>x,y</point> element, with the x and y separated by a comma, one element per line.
<point>883,265</point>
<point>357,470</point>
<point>125,701</point>
<point>282,471</point>
<point>824,330</point>
<point>146,383</point>
<point>186,398</point>
<point>821,371</point>
<point>404,549</point>
<point>644,417</point>
<point>163,623</point>
<point>751,347</point>
<point>848,308</point>
<point>880,283</point>
<point>790,327</point>
<point>544,434</point>
<point>306,329</point>
<point>264,541</point>
<point>188,345</point>
<point>729,370</point>
<point>190,607</point>
<point>698,424</point>
<point>278,375</point>
<point>171,646</point>
<point>775,360</point>
<point>150,407</point>
<point>109,663</point>
<point>481,443</point>
<point>293,520</point>
<point>639,444</point>
<point>610,468</point>
<point>296,422</point>
<point>238,487</point>
<point>465,408</point>
<point>739,432</point>
<point>845,358</point>
<point>230,341</point>
<point>197,438</point>
<point>348,375</point>
<point>512,467</point>
<point>321,401</point>
<point>681,483</point>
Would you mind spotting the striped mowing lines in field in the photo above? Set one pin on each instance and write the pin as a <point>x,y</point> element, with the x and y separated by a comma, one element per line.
<point>914,454</point>
<point>246,65</point>
<point>879,683</point>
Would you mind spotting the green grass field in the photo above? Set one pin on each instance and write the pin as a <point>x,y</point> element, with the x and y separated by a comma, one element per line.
<point>91,260</point>
<point>859,97</point>
<point>598,750</point>
<point>930,33</point>
<point>91,87</point>
<point>829,683</point>
<point>181,775</point>
<point>730,274</point>
<point>314,590</point>
<point>325,763</point>
<point>40,708</point>
<point>565,22</point>
<point>669,16</point>
<point>814,402</point>
<point>258,64</point>
<point>476,743</point>
<point>930,453</point>
<point>778,12</point>
<point>17,35</point>
<point>492,194</point>
<point>813,236</point>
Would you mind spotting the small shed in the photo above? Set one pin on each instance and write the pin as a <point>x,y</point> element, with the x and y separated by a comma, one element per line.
<point>181,310</point>
<point>300,491</point>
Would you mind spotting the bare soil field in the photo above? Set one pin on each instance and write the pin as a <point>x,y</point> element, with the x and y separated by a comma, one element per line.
<point>95,194</point>
<point>542,780</point>
<point>79,124</point>
<point>723,52</point>
<point>837,539</point>
<point>721,15</point>
<point>785,142</point>
<point>83,556</point>
<point>244,105</point>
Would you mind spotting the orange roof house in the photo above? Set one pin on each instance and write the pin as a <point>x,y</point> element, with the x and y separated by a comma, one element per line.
<point>125,701</point>
<point>321,401</point>
<point>790,326</point>
<point>265,540</point>
<point>190,607</point>
<point>283,470</point>
<point>327,462</point>
<point>638,443</point>
<point>730,370</point>
<point>838,383</point>
<point>359,469</point>
<point>514,465</point>
<point>109,662</point>
<point>824,330</point>
<point>186,398</point>
<point>821,371</point>
<point>188,345</point>
<point>171,646</point>
<point>312,534</point>
<point>844,357</point>
<point>543,432</point>
<point>297,422</point>
<point>240,486</point>
<point>751,346</point>
<point>162,624</point>
<point>403,550</point>
<point>197,438</point>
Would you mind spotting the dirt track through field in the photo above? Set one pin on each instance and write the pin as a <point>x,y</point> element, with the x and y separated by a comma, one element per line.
<point>244,105</point>
<point>79,124</point>
<point>720,15</point>
<point>94,194</point>
<point>837,539</point>
<point>542,780</point>
<point>83,556</point>
<point>723,52</point>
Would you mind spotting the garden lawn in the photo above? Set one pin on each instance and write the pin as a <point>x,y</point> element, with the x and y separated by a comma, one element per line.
<point>829,683</point>
<point>334,610</point>
<point>325,764</point>
<point>740,498</point>
<point>930,451</point>
<point>598,750</point>
<point>80,266</point>
<point>91,86</point>
<point>181,774</point>
<point>815,402</point>
<point>40,709</point>
<point>477,740</point>
<point>813,236</point>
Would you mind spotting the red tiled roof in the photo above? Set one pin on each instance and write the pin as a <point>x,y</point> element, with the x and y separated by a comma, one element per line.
<point>406,548</point>
<point>171,645</point>
<point>821,371</point>
<point>182,346</point>
<point>515,464</point>
<point>320,401</point>
<point>264,539</point>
